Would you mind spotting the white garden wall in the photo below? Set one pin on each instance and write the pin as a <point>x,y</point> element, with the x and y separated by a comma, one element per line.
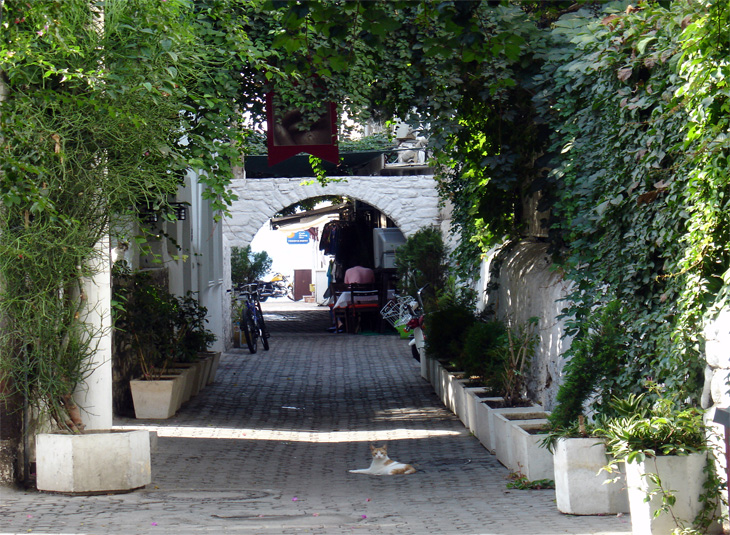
<point>523,284</point>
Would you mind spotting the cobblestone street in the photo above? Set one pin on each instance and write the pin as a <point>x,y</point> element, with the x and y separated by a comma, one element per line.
<point>267,448</point>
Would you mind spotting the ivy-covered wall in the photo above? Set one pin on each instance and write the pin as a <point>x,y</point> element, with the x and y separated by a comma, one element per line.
<point>627,141</point>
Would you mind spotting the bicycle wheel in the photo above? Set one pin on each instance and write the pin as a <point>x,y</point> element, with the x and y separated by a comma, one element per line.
<point>263,333</point>
<point>250,331</point>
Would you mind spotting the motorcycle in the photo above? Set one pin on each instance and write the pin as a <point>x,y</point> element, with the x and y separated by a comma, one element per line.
<point>278,286</point>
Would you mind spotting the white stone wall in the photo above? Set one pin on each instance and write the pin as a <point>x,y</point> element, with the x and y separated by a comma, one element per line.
<point>410,201</point>
<point>522,284</point>
<point>717,353</point>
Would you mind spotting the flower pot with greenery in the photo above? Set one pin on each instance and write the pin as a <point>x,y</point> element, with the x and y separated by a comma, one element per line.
<point>579,452</point>
<point>147,313</point>
<point>582,486</point>
<point>194,339</point>
<point>671,482</point>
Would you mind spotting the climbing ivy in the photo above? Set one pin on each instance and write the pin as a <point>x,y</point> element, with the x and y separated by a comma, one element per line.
<point>636,98</point>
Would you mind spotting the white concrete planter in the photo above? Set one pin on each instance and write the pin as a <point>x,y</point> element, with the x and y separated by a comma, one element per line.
<point>93,462</point>
<point>178,391</point>
<point>156,399</point>
<point>457,394</point>
<point>471,407</point>
<point>484,423</point>
<point>206,364</point>
<point>680,473</point>
<point>528,457</point>
<point>505,431</point>
<point>215,363</point>
<point>581,487</point>
<point>189,373</point>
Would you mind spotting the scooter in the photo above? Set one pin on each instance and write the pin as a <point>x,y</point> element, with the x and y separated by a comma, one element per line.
<point>278,286</point>
<point>415,325</point>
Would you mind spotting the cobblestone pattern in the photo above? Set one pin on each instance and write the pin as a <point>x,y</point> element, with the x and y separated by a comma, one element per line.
<point>266,449</point>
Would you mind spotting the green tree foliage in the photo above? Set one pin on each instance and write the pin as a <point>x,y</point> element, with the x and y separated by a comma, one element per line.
<point>247,266</point>
<point>614,117</point>
<point>641,183</point>
<point>87,134</point>
<point>421,263</point>
<point>104,105</point>
<point>595,371</point>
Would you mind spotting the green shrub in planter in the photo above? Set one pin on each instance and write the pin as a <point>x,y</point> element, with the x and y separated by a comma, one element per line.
<point>446,330</point>
<point>190,326</point>
<point>481,357</point>
<point>594,359</point>
<point>644,428</point>
<point>662,432</point>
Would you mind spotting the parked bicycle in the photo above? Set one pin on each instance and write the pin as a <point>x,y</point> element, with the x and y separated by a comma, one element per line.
<point>251,321</point>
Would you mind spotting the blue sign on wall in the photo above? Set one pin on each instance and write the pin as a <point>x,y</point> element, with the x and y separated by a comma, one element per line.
<point>298,237</point>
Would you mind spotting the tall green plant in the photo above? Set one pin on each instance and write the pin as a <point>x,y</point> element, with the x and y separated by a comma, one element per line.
<point>594,367</point>
<point>482,356</point>
<point>421,262</point>
<point>522,340</point>
<point>104,105</point>
<point>247,266</point>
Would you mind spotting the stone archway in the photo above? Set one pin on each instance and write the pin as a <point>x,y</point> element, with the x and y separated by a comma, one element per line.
<point>410,201</point>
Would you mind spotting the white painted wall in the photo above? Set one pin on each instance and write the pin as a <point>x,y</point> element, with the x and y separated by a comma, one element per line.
<point>523,285</point>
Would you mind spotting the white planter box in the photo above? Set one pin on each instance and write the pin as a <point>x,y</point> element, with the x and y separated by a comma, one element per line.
<point>214,366</point>
<point>156,399</point>
<point>206,364</point>
<point>580,485</point>
<point>471,407</point>
<point>456,393</point>
<point>189,373</point>
<point>680,473</point>
<point>502,422</point>
<point>212,369</point>
<point>484,422</point>
<point>93,462</point>
<point>528,457</point>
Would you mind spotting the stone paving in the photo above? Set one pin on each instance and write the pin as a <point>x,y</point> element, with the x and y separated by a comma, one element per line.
<point>266,449</point>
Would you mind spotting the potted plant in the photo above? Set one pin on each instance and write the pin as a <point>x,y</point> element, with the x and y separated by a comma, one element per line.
<point>516,422</point>
<point>194,338</point>
<point>147,314</point>
<point>582,487</point>
<point>579,453</point>
<point>663,446</point>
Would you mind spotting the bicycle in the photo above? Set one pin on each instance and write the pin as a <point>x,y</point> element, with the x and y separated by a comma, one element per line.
<point>252,318</point>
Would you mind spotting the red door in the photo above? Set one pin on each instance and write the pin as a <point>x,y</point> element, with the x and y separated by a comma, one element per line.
<point>302,280</point>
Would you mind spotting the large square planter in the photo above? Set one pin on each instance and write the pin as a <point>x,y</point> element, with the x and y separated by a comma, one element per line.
<point>470,416</point>
<point>581,487</point>
<point>189,373</point>
<point>529,458</point>
<point>93,462</point>
<point>682,474</point>
<point>206,364</point>
<point>215,357</point>
<point>157,399</point>
<point>502,422</point>
<point>484,421</point>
